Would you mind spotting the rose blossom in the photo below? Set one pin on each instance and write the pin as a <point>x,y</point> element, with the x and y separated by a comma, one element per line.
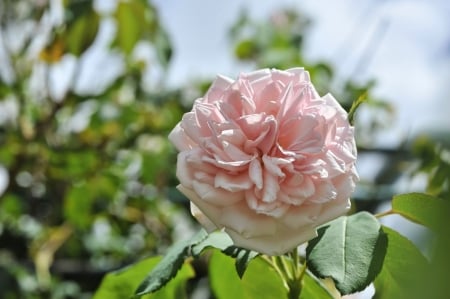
<point>266,159</point>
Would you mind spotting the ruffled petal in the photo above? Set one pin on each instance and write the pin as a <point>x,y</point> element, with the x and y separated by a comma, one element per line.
<point>232,183</point>
<point>216,196</point>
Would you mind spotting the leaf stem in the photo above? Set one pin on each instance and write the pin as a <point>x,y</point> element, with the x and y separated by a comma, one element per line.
<point>385,213</point>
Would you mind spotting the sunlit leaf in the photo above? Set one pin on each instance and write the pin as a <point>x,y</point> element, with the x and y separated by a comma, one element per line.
<point>220,240</point>
<point>350,250</point>
<point>424,209</point>
<point>246,49</point>
<point>403,270</point>
<point>259,281</point>
<point>168,267</point>
<point>122,283</point>
<point>135,21</point>
<point>312,288</point>
<point>82,32</point>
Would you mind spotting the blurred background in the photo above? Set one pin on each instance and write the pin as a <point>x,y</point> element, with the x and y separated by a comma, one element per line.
<point>89,91</point>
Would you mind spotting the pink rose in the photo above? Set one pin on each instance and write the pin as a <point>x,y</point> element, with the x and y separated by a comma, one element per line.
<point>266,159</point>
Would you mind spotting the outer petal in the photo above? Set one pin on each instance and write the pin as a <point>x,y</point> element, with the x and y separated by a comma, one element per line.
<point>216,196</point>
<point>179,138</point>
<point>279,243</point>
<point>204,221</point>
<point>246,222</point>
<point>208,210</point>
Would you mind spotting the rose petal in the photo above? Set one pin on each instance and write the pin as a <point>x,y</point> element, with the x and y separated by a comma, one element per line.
<point>232,183</point>
<point>270,187</point>
<point>285,240</point>
<point>191,128</point>
<point>244,221</point>
<point>204,221</point>
<point>333,209</point>
<point>184,173</point>
<point>304,215</point>
<point>255,173</point>
<point>210,211</point>
<point>216,196</point>
<point>218,87</point>
<point>179,138</point>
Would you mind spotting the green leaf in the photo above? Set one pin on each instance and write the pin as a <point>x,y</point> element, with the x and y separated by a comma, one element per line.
<point>242,256</point>
<point>217,239</point>
<point>403,270</point>
<point>312,288</point>
<point>350,250</point>
<point>246,49</point>
<point>135,21</point>
<point>424,209</point>
<point>163,47</point>
<point>128,31</point>
<point>82,32</point>
<point>220,240</point>
<point>176,288</point>
<point>121,284</point>
<point>439,177</point>
<point>260,280</point>
<point>169,266</point>
<point>11,206</point>
<point>355,105</point>
<point>77,206</point>
<point>82,198</point>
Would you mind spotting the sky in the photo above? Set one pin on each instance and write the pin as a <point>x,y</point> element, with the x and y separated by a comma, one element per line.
<point>410,59</point>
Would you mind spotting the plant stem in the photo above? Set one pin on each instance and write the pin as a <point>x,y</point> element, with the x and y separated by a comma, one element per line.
<point>295,282</point>
<point>385,213</point>
<point>291,271</point>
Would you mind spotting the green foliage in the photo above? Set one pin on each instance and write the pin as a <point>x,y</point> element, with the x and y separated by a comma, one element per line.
<point>217,239</point>
<point>122,283</point>
<point>220,240</point>
<point>83,25</point>
<point>423,209</point>
<point>169,265</point>
<point>133,22</point>
<point>260,279</point>
<point>435,163</point>
<point>312,288</point>
<point>350,250</point>
<point>351,113</point>
<point>95,162</point>
<point>433,213</point>
<point>242,257</point>
<point>404,270</point>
